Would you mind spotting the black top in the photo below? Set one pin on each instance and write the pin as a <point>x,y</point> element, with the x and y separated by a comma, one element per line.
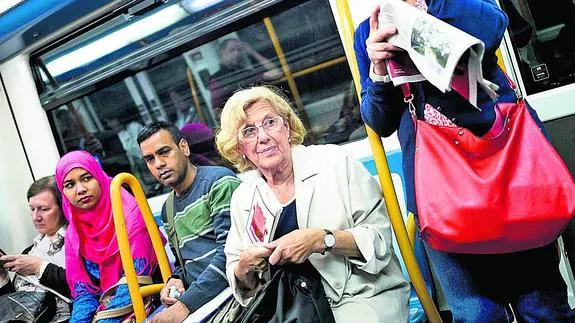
<point>287,222</point>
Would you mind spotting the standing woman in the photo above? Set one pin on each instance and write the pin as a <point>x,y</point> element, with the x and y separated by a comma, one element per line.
<point>478,287</point>
<point>93,264</point>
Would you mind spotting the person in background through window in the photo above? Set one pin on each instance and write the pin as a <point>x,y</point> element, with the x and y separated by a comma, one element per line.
<point>127,133</point>
<point>74,133</point>
<point>234,72</point>
<point>185,113</point>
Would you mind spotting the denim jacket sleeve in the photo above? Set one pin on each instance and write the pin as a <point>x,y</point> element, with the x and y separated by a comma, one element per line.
<point>381,104</point>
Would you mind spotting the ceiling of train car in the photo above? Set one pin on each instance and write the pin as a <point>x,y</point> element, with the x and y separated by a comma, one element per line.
<point>26,22</point>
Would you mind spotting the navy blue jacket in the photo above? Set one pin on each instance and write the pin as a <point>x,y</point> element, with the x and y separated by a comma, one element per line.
<point>382,105</point>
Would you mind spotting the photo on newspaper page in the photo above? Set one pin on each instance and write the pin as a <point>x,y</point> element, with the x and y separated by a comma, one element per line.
<point>435,48</point>
<point>260,220</point>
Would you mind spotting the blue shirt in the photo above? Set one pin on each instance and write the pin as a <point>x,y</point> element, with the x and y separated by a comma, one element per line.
<point>87,302</point>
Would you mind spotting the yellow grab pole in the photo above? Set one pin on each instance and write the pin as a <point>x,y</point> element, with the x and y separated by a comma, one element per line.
<point>287,72</point>
<point>385,177</point>
<point>137,294</point>
<point>500,61</point>
<point>411,229</point>
<point>318,67</point>
<point>195,96</point>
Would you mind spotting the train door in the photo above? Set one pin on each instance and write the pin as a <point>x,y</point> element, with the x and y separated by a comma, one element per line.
<point>540,55</point>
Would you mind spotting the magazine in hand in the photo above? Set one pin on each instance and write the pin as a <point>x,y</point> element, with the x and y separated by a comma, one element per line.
<point>261,220</point>
<point>402,70</point>
<point>434,50</point>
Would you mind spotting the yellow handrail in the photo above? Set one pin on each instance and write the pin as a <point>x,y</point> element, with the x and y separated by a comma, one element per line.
<point>195,96</point>
<point>287,72</point>
<point>380,159</point>
<point>137,293</point>
<point>500,61</point>
<point>316,67</point>
<point>411,229</point>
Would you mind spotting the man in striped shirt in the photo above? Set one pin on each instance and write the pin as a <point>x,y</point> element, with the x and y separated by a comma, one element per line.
<point>201,218</point>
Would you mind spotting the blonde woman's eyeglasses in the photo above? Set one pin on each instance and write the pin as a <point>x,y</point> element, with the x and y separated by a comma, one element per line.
<point>250,133</point>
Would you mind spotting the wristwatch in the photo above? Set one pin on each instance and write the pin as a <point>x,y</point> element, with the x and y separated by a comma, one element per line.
<point>328,240</point>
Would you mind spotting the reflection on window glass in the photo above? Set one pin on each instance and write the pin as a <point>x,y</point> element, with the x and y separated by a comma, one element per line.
<point>542,35</point>
<point>292,50</point>
<point>125,34</point>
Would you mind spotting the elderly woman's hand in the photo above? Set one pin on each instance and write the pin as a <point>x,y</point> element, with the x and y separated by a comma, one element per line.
<point>296,246</point>
<point>252,260</point>
<point>22,264</point>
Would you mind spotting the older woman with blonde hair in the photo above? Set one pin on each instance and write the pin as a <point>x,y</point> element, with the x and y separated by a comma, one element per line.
<point>321,207</point>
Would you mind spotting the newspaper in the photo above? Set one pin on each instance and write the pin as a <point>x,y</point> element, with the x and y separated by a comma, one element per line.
<point>261,219</point>
<point>434,51</point>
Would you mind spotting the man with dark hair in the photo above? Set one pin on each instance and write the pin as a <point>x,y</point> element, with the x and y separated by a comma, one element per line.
<point>197,219</point>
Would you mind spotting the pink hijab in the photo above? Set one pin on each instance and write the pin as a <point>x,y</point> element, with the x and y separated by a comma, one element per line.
<point>91,234</point>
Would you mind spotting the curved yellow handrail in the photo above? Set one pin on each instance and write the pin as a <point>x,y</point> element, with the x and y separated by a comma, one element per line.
<point>137,293</point>
<point>405,246</point>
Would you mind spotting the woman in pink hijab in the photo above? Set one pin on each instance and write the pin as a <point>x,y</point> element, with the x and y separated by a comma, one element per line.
<point>93,264</point>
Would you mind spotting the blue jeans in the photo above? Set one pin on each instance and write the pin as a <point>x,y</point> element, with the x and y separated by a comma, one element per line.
<point>478,288</point>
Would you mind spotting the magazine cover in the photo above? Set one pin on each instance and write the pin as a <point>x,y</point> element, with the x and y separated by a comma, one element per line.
<point>402,70</point>
<point>260,220</point>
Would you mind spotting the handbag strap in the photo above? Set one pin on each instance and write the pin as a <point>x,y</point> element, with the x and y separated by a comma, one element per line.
<point>408,98</point>
<point>514,87</point>
<point>172,234</point>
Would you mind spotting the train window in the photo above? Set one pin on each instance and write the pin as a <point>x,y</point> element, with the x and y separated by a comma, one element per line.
<point>288,48</point>
<point>542,36</point>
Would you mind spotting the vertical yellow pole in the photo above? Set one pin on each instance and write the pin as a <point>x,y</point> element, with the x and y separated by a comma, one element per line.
<point>136,293</point>
<point>385,176</point>
<point>500,61</point>
<point>195,96</point>
<point>287,72</point>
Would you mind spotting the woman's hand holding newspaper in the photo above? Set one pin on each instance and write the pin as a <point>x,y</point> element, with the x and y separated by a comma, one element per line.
<point>378,49</point>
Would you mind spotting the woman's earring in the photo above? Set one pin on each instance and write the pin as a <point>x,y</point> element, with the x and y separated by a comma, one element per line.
<point>289,139</point>
<point>244,156</point>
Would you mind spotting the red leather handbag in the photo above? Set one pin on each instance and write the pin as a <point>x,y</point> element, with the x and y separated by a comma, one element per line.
<point>509,193</point>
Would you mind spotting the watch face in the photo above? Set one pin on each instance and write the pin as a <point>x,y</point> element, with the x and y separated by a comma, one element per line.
<point>329,240</point>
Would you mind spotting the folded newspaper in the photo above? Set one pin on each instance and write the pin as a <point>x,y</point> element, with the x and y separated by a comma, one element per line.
<point>434,51</point>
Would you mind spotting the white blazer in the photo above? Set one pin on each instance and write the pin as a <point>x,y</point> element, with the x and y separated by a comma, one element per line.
<point>333,191</point>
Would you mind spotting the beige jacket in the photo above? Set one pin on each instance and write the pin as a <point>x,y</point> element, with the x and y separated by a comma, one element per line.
<point>333,191</point>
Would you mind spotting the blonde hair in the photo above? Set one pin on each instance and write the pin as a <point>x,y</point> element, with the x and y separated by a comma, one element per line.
<point>234,116</point>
